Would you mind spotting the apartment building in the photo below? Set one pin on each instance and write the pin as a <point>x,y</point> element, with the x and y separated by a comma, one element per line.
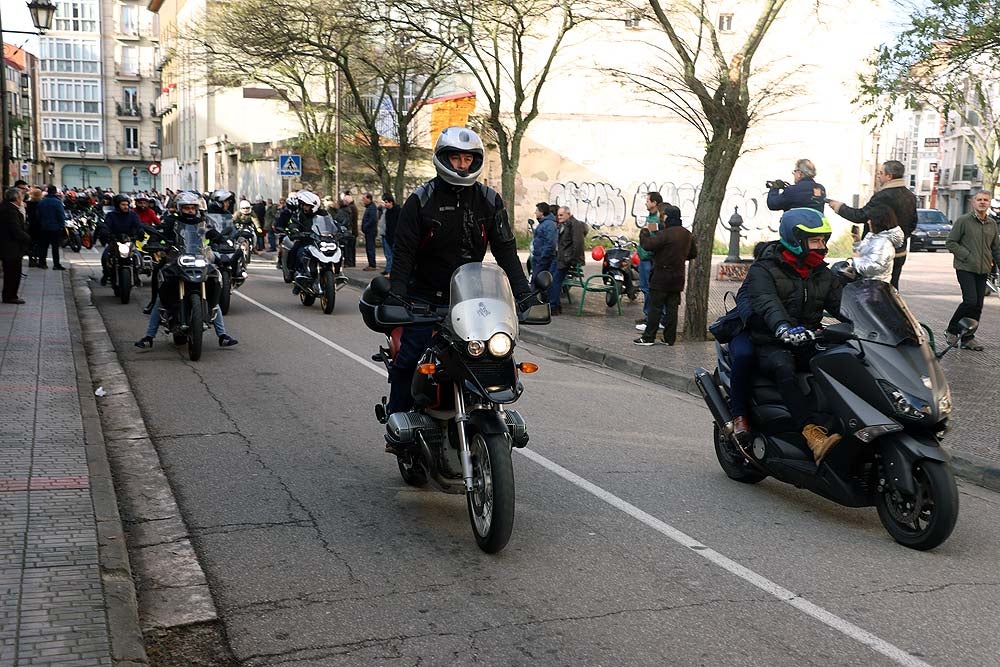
<point>97,88</point>
<point>21,71</point>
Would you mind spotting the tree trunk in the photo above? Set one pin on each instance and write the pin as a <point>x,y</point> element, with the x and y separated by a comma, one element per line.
<point>509,163</point>
<point>720,158</point>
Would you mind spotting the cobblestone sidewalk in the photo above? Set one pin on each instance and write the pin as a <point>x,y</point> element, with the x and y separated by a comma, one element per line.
<point>52,605</point>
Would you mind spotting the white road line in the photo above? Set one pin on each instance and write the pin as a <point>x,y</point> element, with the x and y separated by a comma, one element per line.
<point>842,626</point>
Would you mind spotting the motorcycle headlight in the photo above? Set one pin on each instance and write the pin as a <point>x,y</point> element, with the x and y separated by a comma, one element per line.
<point>904,405</point>
<point>500,344</point>
<point>123,250</point>
<point>327,247</point>
<point>191,260</point>
<point>476,348</point>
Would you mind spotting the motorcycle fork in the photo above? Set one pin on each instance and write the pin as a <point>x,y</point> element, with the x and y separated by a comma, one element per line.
<point>463,443</point>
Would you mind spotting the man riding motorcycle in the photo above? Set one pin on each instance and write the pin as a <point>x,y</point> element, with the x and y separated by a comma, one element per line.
<point>119,220</point>
<point>445,223</point>
<point>790,286</point>
<point>144,211</point>
<point>308,208</point>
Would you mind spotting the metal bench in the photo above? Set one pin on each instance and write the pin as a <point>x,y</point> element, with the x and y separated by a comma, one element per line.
<point>599,283</point>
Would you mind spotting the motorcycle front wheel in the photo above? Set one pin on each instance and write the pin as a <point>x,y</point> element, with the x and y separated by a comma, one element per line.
<point>74,242</point>
<point>196,317</point>
<point>491,501</point>
<point>124,283</point>
<point>329,297</point>
<point>925,520</point>
<point>226,293</point>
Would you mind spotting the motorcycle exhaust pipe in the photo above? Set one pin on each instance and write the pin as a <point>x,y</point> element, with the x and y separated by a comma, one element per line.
<point>717,405</point>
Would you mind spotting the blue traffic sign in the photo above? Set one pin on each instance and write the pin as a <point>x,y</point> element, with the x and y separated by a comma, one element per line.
<point>289,165</point>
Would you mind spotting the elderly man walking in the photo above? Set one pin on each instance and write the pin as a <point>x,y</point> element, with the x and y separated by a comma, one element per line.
<point>976,246</point>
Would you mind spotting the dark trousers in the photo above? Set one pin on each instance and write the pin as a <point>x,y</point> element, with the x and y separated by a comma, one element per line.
<point>349,245</point>
<point>412,345</point>
<point>973,293</point>
<point>272,240</point>
<point>555,292</point>
<point>11,278</point>
<point>663,304</point>
<point>53,239</point>
<point>780,364</point>
<point>370,248</point>
<point>742,360</point>
<point>897,268</point>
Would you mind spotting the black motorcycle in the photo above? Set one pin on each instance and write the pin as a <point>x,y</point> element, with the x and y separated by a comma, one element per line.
<point>880,379</point>
<point>72,238</point>
<point>619,263</point>
<point>459,434</point>
<point>316,273</point>
<point>123,268</point>
<point>229,256</point>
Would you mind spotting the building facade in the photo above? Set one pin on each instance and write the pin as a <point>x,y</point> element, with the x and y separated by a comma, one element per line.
<point>97,88</point>
<point>27,160</point>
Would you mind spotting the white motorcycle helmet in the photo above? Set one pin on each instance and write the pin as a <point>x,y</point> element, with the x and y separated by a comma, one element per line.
<point>307,198</point>
<point>245,207</point>
<point>458,140</point>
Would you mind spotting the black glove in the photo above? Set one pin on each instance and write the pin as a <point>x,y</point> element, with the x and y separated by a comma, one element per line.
<point>794,336</point>
<point>776,184</point>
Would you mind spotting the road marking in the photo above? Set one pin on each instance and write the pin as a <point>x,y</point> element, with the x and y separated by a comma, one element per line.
<point>825,617</point>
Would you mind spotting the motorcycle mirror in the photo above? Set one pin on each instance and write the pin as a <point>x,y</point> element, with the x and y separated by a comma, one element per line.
<point>543,280</point>
<point>845,271</point>
<point>839,333</point>
<point>967,326</point>
<point>380,286</point>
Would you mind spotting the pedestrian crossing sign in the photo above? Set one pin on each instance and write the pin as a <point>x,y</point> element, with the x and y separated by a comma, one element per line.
<point>289,165</point>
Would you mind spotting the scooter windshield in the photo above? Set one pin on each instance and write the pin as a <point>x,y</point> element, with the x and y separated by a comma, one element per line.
<point>879,314</point>
<point>192,238</point>
<point>324,226</point>
<point>221,222</point>
<point>482,303</point>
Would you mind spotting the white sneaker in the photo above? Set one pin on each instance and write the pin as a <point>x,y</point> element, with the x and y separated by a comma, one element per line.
<point>642,327</point>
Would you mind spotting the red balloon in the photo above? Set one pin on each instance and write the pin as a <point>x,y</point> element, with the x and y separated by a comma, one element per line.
<point>635,259</point>
<point>597,253</point>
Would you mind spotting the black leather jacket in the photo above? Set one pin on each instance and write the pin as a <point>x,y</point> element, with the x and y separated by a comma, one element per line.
<point>442,227</point>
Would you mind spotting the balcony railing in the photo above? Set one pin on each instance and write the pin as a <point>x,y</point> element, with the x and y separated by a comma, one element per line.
<point>128,110</point>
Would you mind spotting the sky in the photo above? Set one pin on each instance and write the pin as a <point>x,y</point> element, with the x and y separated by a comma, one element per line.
<point>16,16</point>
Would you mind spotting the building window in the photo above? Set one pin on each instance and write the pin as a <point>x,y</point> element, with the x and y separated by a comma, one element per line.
<point>130,97</point>
<point>130,60</point>
<point>725,22</point>
<point>71,95</point>
<point>80,56</point>
<point>68,135</point>
<point>132,140</point>
<point>77,15</point>
<point>128,19</point>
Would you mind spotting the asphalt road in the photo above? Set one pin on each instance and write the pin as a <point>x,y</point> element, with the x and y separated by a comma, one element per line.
<point>638,552</point>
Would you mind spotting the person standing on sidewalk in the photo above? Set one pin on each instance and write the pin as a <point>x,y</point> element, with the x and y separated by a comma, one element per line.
<point>14,243</point>
<point>671,248</point>
<point>976,246</point>
<point>569,253</point>
<point>390,213</point>
<point>270,217</point>
<point>543,247</point>
<point>52,223</point>
<point>894,194</point>
<point>369,227</point>
<point>653,202</point>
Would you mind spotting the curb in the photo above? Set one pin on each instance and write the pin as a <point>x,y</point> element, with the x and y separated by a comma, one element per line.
<point>969,467</point>
<point>127,644</point>
<point>172,587</point>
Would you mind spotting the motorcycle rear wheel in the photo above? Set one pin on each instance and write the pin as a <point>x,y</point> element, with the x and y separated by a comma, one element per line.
<point>74,242</point>
<point>926,520</point>
<point>226,293</point>
<point>329,298</point>
<point>124,283</point>
<point>491,502</point>
<point>611,296</point>
<point>196,317</point>
<point>733,463</point>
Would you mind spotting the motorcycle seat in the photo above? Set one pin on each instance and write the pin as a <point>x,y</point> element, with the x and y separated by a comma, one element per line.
<point>765,391</point>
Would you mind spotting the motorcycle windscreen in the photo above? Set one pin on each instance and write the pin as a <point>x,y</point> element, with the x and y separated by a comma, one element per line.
<point>220,222</point>
<point>879,314</point>
<point>482,303</point>
<point>192,238</point>
<point>323,225</point>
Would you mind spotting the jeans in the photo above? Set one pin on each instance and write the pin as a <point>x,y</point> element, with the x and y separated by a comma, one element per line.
<point>370,248</point>
<point>414,341</point>
<point>742,359</point>
<point>780,364</point>
<point>539,264</point>
<point>555,292</point>
<point>387,249</point>
<point>272,240</point>
<point>153,324</point>
<point>973,294</point>
<point>662,306</point>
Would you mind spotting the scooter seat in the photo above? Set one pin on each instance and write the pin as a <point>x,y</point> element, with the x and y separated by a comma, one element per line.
<point>765,391</point>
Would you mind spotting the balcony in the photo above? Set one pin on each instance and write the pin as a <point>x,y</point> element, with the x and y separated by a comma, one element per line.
<point>128,110</point>
<point>127,75</point>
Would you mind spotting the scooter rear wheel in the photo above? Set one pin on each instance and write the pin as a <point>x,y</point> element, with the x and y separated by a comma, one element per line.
<point>926,520</point>
<point>733,463</point>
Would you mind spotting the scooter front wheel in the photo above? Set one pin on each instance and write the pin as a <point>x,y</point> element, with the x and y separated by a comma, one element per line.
<point>491,501</point>
<point>925,520</point>
<point>733,463</point>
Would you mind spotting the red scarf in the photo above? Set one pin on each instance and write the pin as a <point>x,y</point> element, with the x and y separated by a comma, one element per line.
<point>805,264</point>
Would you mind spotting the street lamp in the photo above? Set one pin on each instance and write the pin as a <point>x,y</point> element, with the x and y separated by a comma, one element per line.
<point>42,13</point>
<point>82,150</point>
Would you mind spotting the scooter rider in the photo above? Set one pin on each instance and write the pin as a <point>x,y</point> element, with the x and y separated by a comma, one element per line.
<point>445,223</point>
<point>790,286</point>
<point>119,220</point>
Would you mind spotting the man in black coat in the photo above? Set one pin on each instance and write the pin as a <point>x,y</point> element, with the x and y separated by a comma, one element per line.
<point>671,246</point>
<point>894,194</point>
<point>369,227</point>
<point>14,242</point>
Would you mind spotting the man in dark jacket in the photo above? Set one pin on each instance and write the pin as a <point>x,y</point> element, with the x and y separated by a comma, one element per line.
<point>369,227</point>
<point>52,224</point>
<point>894,194</point>
<point>14,242</point>
<point>569,253</point>
<point>790,286</point>
<point>804,192</point>
<point>671,246</point>
<point>391,213</point>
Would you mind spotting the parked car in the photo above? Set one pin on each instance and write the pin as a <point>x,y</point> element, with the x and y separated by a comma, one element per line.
<point>931,232</point>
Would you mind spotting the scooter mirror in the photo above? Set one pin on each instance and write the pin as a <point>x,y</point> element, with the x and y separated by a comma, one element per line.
<point>845,271</point>
<point>543,280</point>
<point>967,326</point>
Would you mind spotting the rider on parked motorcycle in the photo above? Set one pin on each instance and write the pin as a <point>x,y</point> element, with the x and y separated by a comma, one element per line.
<point>790,286</point>
<point>144,210</point>
<point>445,223</point>
<point>119,220</point>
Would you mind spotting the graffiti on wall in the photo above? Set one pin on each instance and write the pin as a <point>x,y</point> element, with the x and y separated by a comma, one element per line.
<point>685,197</point>
<point>594,203</point>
